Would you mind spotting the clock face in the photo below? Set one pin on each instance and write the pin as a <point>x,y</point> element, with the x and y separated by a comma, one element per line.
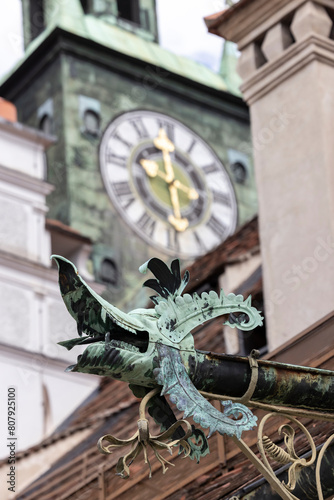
<point>167,183</point>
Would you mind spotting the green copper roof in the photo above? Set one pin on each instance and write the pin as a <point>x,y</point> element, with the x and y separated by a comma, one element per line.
<point>70,17</point>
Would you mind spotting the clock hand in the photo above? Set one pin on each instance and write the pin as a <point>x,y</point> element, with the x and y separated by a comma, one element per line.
<point>179,223</point>
<point>151,167</point>
<point>191,192</point>
<point>166,146</point>
<point>163,143</point>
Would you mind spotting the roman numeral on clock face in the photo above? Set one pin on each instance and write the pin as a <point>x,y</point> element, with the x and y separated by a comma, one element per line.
<point>124,193</point>
<point>191,147</point>
<point>173,240</point>
<point>168,128</point>
<point>211,168</point>
<point>217,226</point>
<point>147,224</point>
<point>115,159</point>
<point>121,139</point>
<point>222,198</point>
<point>199,241</point>
<point>140,128</point>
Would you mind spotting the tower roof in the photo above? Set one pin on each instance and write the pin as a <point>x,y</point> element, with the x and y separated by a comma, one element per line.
<point>71,18</point>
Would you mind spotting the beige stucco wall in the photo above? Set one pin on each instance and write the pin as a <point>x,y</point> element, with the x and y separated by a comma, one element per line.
<point>294,169</point>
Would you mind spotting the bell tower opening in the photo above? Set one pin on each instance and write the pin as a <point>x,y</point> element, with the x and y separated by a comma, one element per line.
<point>129,10</point>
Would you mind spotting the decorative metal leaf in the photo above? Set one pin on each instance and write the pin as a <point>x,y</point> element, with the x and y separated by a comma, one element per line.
<point>162,413</point>
<point>168,281</point>
<point>180,315</point>
<point>172,375</point>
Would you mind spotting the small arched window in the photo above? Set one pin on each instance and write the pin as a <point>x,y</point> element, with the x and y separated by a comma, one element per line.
<point>239,172</point>
<point>92,122</point>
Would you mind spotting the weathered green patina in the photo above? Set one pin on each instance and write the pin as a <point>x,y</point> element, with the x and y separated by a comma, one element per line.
<point>150,347</point>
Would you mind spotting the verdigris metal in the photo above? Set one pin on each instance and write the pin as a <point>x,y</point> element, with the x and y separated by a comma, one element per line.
<point>278,384</point>
<point>175,381</point>
<point>129,346</point>
<point>120,347</point>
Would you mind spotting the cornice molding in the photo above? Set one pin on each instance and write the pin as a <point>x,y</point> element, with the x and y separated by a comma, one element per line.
<point>25,181</point>
<point>248,20</point>
<point>292,60</point>
<point>43,363</point>
<point>23,132</point>
<point>38,270</point>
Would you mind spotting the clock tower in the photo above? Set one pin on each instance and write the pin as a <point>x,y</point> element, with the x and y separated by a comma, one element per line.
<point>152,156</point>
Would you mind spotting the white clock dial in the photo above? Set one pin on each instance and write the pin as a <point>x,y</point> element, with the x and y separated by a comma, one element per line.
<point>167,183</point>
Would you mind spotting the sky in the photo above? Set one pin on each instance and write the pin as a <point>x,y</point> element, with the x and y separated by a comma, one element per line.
<point>181,29</point>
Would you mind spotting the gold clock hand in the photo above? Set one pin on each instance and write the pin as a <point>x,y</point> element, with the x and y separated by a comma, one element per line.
<point>151,167</point>
<point>163,143</point>
<point>175,201</point>
<point>166,146</point>
<point>179,223</point>
<point>191,192</point>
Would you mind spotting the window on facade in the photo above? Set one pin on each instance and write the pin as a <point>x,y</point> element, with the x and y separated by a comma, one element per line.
<point>108,272</point>
<point>92,122</point>
<point>45,124</point>
<point>129,10</point>
<point>36,15</point>
<point>239,171</point>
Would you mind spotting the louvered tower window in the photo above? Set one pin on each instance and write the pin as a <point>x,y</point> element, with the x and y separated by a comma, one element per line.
<point>129,10</point>
<point>36,18</point>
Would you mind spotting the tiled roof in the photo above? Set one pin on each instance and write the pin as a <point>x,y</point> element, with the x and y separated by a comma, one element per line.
<point>214,20</point>
<point>118,39</point>
<point>240,246</point>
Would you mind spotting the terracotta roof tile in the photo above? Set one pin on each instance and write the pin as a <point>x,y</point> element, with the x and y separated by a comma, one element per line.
<point>237,247</point>
<point>214,20</point>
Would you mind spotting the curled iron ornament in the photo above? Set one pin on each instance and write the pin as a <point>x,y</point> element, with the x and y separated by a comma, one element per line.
<point>319,461</point>
<point>267,447</point>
